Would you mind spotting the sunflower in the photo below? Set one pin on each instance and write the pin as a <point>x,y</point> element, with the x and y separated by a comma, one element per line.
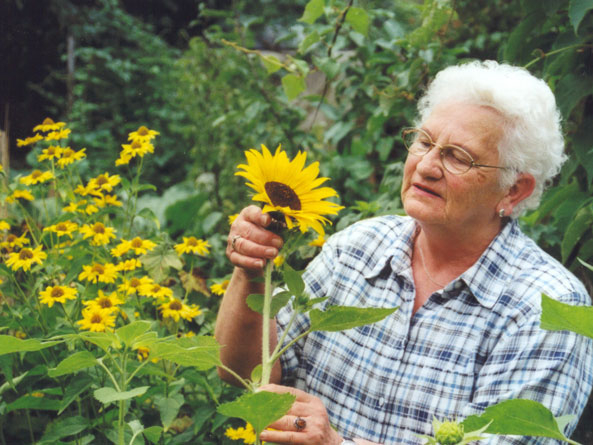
<point>107,200</point>
<point>104,273</point>
<point>57,294</point>
<point>49,125</point>
<point>288,188</point>
<point>103,183</point>
<point>62,228</point>
<point>36,177</point>
<point>69,156</point>
<point>11,241</point>
<point>96,319</point>
<point>109,302</point>
<point>279,260</point>
<point>25,258</point>
<point>176,309</point>
<point>4,225</point>
<point>19,194</point>
<point>219,288</point>
<point>28,141</point>
<point>193,245</point>
<point>100,234</point>
<point>143,134</point>
<point>128,265</point>
<point>155,290</point>
<point>247,434</point>
<point>57,135</point>
<point>131,286</point>
<point>50,153</point>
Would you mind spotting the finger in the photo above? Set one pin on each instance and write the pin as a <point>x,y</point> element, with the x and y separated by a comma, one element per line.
<point>246,246</point>
<point>254,214</point>
<point>301,396</point>
<point>290,423</point>
<point>246,262</point>
<point>284,437</point>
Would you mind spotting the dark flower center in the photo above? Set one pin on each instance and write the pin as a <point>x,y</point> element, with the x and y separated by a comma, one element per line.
<point>99,228</point>
<point>143,131</point>
<point>102,180</point>
<point>36,174</point>
<point>61,227</point>
<point>25,254</point>
<point>175,306</point>
<point>136,243</point>
<point>135,282</point>
<point>98,269</point>
<point>282,195</point>
<point>105,303</point>
<point>96,318</point>
<point>56,292</point>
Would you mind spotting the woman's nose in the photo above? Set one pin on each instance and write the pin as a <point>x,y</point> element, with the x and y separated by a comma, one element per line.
<point>430,164</point>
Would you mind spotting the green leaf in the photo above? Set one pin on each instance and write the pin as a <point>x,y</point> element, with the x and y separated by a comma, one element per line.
<point>577,10</point>
<point>159,260</point>
<point>309,40</point>
<point>570,90</point>
<point>518,417</point>
<point>340,318</point>
<point>73,363</point>
<point>107,394</point>
<point>329,66</point>
<point>294,280</point>
<point>103,340</point>
<point>256,374</point>
<point>557,316</point>
<point>149,214</point>
<point>153,433</point>
<point>293,85</point>
<point>75,387</point>
<point>256,302</point>
<point>581,222</point>
<point>200,352</point>
<point>358,18</point>
<point>31,402</point>
<point>271,63</point>
<point>128,334</point>
<point>211,221</point>
<point>64,427</point>
<point>168,409</point>
<point>313,10</point>
<point>9,344</point>
<point>260,409</point>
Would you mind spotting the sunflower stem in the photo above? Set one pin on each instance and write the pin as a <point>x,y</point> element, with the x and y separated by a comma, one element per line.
<point>266,362</point>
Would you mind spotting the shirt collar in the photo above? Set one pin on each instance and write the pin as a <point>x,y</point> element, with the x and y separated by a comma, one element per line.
<point>486,279</point>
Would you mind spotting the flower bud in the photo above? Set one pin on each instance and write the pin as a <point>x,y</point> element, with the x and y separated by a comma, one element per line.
<point>449,433</point>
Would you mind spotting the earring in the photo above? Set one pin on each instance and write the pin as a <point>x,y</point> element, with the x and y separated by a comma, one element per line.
<point>501,213</point>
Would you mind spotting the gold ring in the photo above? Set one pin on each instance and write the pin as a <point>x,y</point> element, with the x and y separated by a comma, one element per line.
<point>235,238</point>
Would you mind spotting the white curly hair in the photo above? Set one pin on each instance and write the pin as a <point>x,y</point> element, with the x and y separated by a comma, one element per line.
<point>532,140</point>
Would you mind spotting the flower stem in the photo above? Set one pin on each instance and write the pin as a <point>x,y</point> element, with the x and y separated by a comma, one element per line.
<point>266,362</point>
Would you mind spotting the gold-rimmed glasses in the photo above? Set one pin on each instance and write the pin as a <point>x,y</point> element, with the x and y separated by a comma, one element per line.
<point>455,159</point>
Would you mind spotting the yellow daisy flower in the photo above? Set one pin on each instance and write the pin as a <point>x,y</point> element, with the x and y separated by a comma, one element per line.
<point>132,285</point>
<point>175,309</point>
<point>288,188</point>
<point>107,200</point>
<point>143,134</point>
<point>20,194</point>
<point>103,183</point>
<point>97,319</point>
<point>25,258</point>
<point>193,245</point>
<point>129,265</point>
<point>69,156</point>
<point>73,206</point>
<point>109,302</point>
<point>121,249</point>
<point>90,209</point>
<point>62,228</point>
<point>104,273</point>
<point>82,190</point>
<point>232,218</point>
<point>140,246</point>
<point>155,290</point>
<point>247,434</point>
<point>36,177</point>
<point>11,241</point>
<point>28,141</point>
<point>136,148</point>
<point>57,135</point>
<point>53,152</point>
<point>219,288</point>
<point>100,234</point>
<point>4,225</point>
<point>57,294</point>
<point>279,260</point>
<point>49,125</point>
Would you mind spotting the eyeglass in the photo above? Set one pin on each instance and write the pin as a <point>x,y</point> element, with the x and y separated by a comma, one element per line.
<point>456,160</point>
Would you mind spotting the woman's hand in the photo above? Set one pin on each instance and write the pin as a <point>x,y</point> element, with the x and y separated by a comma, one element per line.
<point>317,429</point>
<point>249,244</point>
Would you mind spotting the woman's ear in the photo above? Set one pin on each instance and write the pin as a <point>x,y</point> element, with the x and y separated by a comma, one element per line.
<point>520,190</point>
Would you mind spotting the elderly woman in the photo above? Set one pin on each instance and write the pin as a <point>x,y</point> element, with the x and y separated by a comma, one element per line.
<point>466,280</point>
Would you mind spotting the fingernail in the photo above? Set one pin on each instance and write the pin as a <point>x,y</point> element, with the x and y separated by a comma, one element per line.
<point>277,242</point>
<point>259,263</point>
<point>271,253</point>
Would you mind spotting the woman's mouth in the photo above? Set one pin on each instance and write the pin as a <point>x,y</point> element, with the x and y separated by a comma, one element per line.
<point>425,189</point>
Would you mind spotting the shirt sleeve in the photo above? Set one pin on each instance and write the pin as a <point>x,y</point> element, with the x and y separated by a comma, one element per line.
<point>550,367</point>
<point>317,277</point>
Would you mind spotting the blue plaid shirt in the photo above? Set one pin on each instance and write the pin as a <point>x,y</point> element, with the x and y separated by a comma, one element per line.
<point>472,344</point>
